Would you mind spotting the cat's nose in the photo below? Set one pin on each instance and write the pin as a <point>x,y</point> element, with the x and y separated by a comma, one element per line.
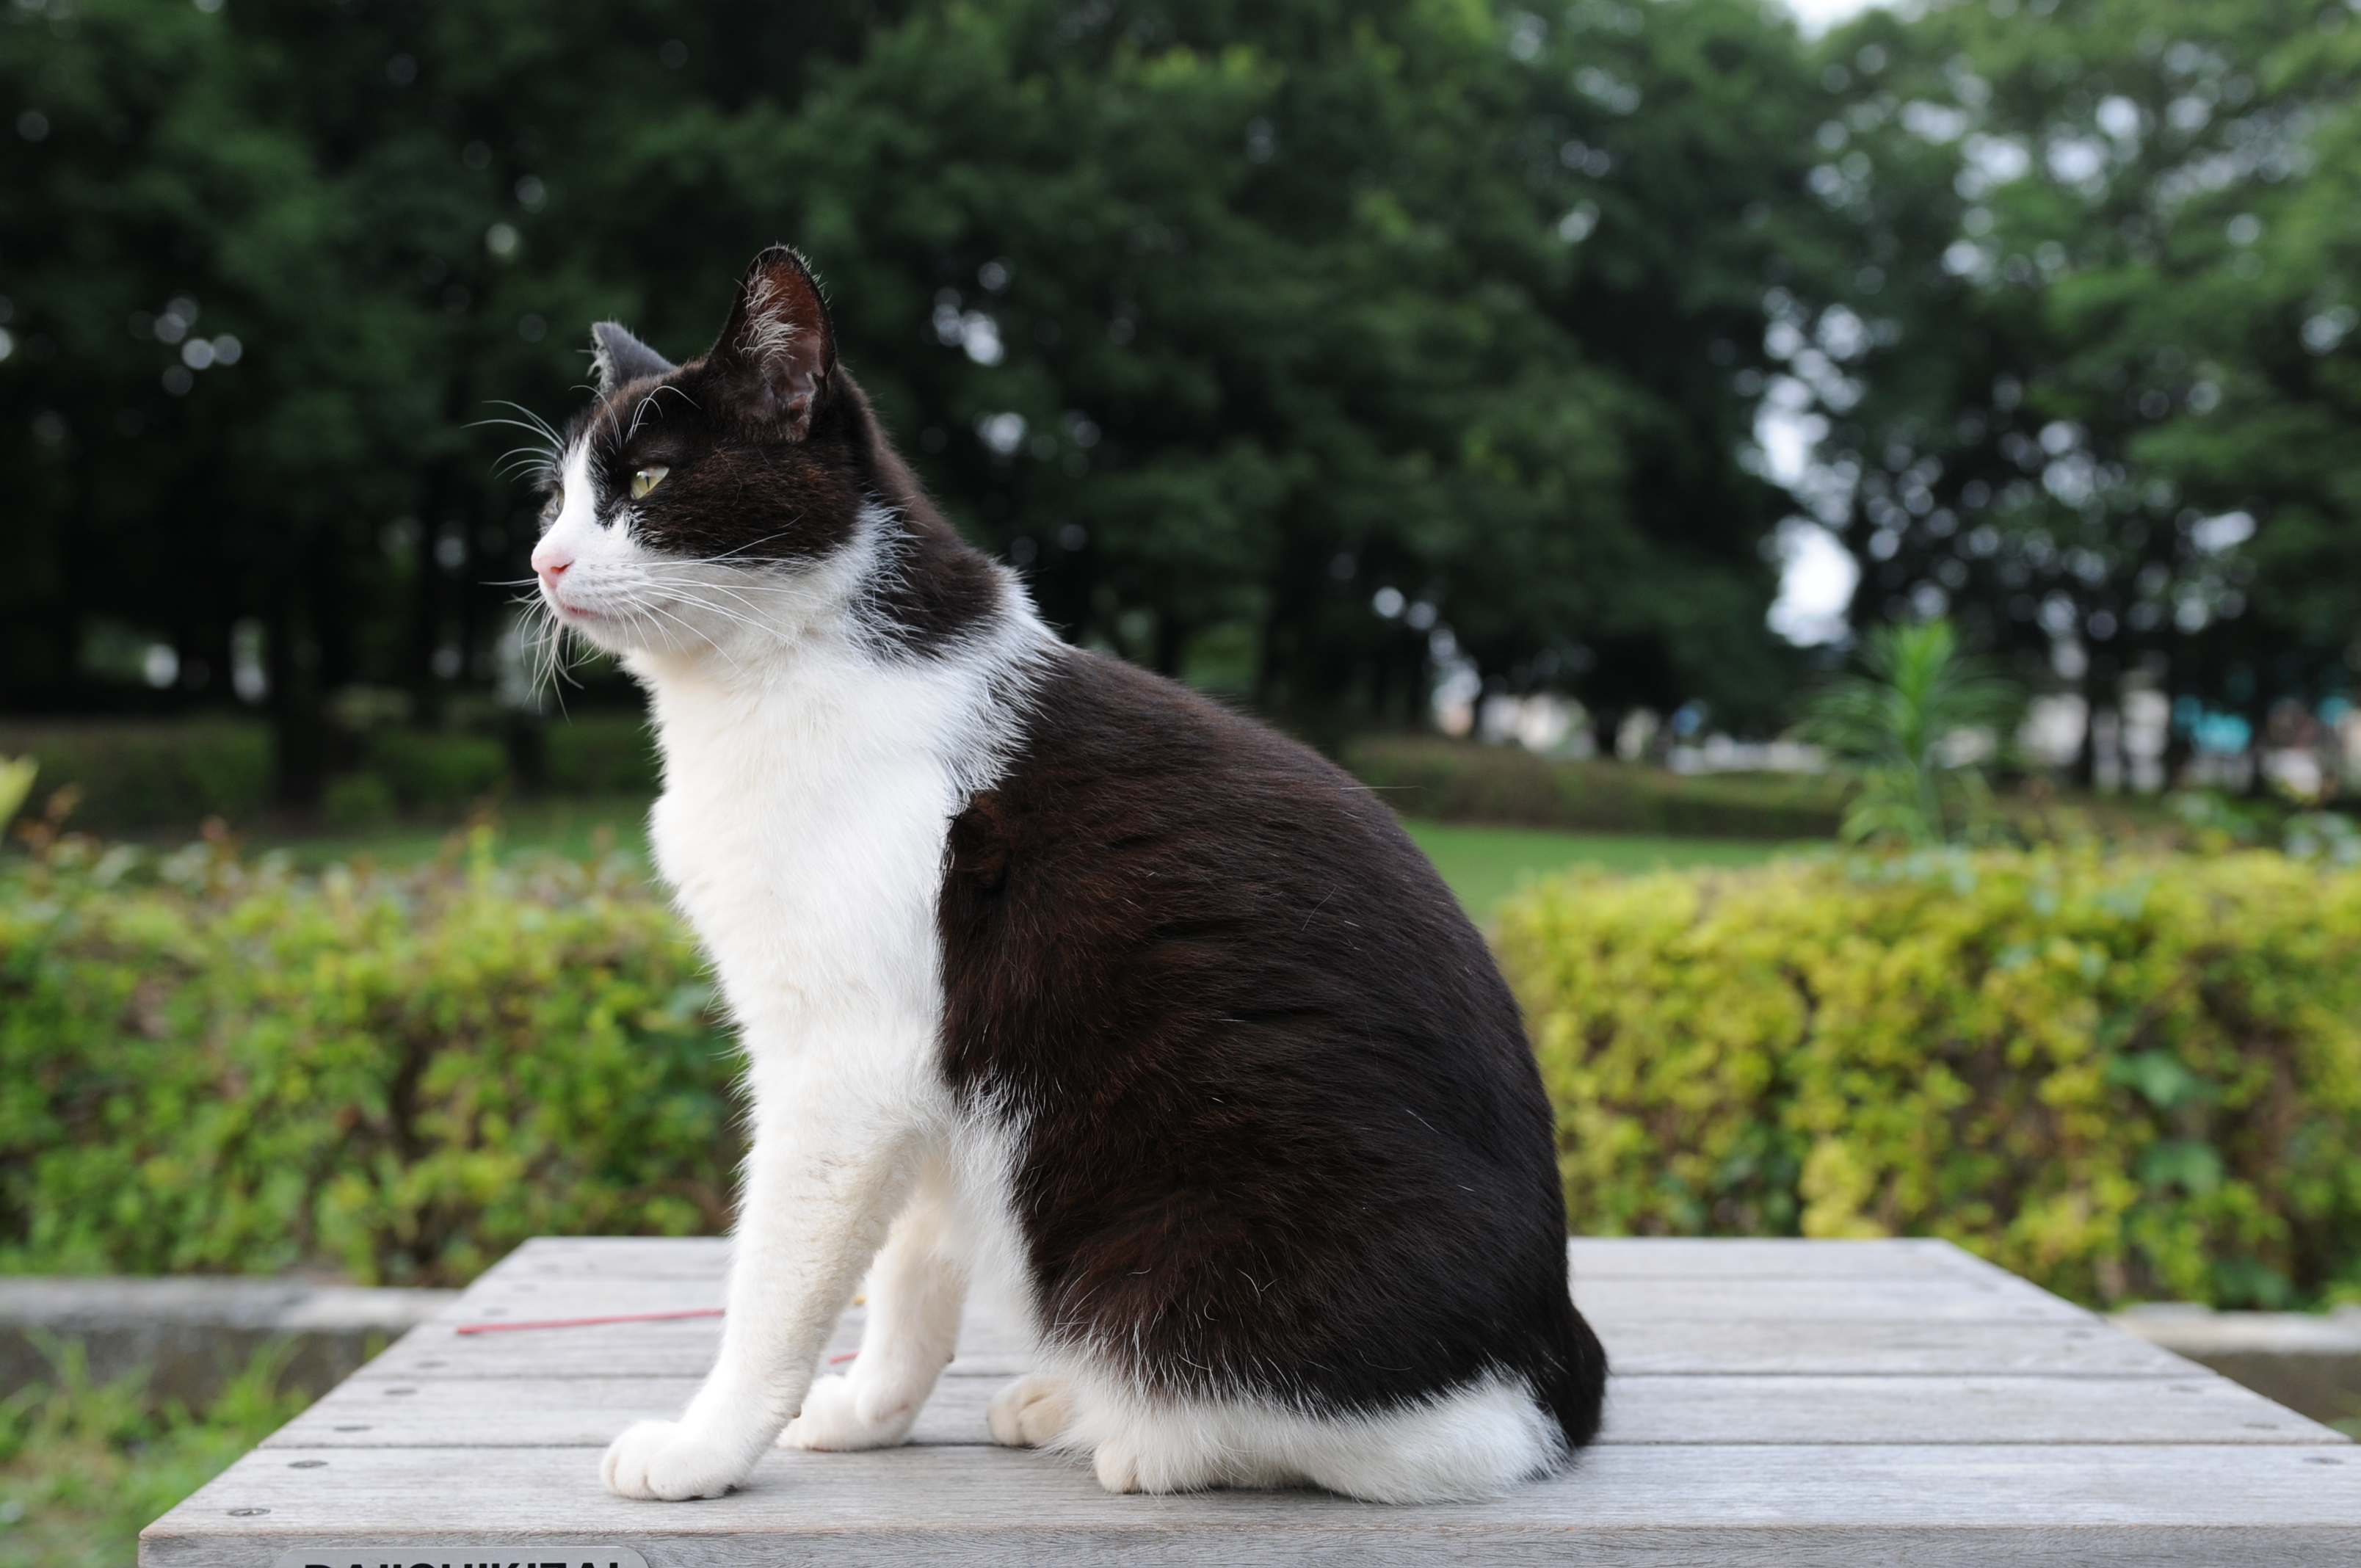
<point>550,560</point>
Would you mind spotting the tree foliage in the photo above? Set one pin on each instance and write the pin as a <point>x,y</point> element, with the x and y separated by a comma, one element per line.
<point>2102,377</point>
<point>1282,346</point>
<point>1217,319</point>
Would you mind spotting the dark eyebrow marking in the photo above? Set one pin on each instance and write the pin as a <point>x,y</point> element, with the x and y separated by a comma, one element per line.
<point>649,401</point>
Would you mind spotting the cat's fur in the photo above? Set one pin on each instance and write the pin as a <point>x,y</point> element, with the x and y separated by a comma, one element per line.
<point>1051,972</point>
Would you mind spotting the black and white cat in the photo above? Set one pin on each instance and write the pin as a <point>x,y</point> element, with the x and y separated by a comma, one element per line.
<point>1052,974</point>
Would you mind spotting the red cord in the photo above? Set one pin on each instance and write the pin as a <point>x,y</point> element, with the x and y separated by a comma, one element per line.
<point>613,1318</point>
<point>587,1322</point>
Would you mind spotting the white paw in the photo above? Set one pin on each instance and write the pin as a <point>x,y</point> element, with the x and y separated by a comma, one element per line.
<point>666,1460</point>
<point>1117,1466</point>
<point>1030,1412</point>
<point>841,1417</point>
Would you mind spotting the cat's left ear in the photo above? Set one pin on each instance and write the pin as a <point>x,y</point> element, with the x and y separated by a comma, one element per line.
<point>618,356</point>
<point>779,341</point>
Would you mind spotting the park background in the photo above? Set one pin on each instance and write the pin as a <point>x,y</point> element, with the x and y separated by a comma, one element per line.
<point>1539,408</point>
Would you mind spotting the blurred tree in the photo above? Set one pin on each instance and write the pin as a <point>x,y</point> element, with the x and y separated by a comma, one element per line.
<point>265,267</point>
<point>1270,339</point>
<point>2094,389</point>
<point>1278,343</point>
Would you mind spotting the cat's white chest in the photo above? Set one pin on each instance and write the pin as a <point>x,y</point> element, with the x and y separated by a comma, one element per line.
<point>802,828</point>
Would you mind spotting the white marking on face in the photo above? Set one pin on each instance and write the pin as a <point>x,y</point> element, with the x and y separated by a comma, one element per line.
<point>580,563</point>
<point>574,503</point>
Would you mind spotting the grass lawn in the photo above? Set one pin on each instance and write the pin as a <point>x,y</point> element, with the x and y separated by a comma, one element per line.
<point>84,1466</point>
<point>1484,865</point>
<point>575,826</point>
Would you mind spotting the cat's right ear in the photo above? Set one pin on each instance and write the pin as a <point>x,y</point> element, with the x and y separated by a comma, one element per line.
<point>779,345</point>
<point>618,357</point>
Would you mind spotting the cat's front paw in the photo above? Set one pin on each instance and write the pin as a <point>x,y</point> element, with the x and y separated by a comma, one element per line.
<point>834,1418</point>
<point>667,1461</point>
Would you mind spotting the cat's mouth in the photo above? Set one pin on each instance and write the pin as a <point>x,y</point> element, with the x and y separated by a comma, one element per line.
<point>566,611</point>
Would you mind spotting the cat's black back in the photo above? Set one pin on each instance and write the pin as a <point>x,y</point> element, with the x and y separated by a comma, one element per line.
<point>1284,1137</point>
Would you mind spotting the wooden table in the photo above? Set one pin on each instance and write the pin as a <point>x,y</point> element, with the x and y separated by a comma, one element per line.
<point>1775,1402</point>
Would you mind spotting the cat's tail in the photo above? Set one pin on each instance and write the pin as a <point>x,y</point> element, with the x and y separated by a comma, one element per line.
<point>1573,1387</point>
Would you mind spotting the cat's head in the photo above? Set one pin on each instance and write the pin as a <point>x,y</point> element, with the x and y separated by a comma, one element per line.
<point>694,506</point>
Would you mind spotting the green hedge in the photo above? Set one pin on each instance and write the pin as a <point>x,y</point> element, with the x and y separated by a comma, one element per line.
<point>135,773</point>
<point>422,769</point>
<point>602,755</point>
<point>1462,781</point>
<point>2125,1078</point>
<point>173,773</point>
<point>209,1065</point>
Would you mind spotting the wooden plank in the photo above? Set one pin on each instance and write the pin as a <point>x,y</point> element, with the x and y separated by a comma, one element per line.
<point>1904,1299</point>
<point>1779,1403</point>
<point>615,1257</point>
<point>1769,1258</point>
<point>989,1344</point>
<point>1928,1503</point>
<point>1645,1343</point>
<point>560,1412</point>
<point>620,1257</point>
<point>1651,1346</point>
<point>1737,1298</point>
<point>555,1412</point>
<point>2200,1408</point>
<point>519,1298</point>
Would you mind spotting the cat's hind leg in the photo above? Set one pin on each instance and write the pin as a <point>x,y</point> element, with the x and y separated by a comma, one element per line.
<point>1470,1442</point>
<point>915,1292</point>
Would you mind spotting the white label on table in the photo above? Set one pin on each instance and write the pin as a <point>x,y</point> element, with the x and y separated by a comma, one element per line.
<point>394,1554</point>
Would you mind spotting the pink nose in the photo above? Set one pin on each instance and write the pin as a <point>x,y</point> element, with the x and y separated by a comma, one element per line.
<point>551,561</point>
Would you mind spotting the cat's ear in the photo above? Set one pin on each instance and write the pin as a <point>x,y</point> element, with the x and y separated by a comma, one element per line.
<point>618,357</point>
<point>779,342</point>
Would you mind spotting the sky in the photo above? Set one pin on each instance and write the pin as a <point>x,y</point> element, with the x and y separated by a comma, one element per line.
<point>1818,15</point>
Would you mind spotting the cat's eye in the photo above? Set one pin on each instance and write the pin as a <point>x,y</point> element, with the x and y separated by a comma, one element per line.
<point>647,479</point>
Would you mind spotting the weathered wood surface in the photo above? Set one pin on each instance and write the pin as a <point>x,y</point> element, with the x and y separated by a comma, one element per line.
<point>1775,1402</point>
<point>567,1412</point>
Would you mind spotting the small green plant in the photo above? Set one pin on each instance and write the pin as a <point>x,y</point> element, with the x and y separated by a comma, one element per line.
<point>86,1465</point>
<point>1917,727</point>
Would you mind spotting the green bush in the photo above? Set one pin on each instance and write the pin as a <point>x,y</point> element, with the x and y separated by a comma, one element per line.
<point>210,1065</point>
<point>602,755</point>
<point>357,801</point>
<point>135,773</point>
<point>432,771</point>
<point>2132,1076</point>
<point>173,773</point>
<point>1461,781</point>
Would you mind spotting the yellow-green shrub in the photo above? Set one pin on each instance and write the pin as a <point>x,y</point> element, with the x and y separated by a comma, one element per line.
<point>211,1065</point>
<point>2122,1077</point>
